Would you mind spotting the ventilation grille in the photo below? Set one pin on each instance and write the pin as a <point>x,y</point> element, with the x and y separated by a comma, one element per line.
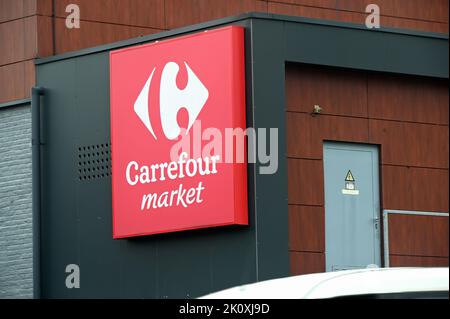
<point>94,162</point>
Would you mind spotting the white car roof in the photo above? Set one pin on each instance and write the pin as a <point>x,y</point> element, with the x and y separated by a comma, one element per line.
<point>342,283</point>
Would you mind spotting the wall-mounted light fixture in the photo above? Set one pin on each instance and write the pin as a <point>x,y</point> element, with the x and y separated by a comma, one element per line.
<point>317,109</point>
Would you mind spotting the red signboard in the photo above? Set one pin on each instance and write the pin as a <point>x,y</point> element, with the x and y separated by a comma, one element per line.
<point>171,104</point>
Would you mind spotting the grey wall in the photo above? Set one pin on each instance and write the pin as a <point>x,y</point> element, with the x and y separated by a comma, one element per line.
<point>16,273</point>
<point>76,218</point>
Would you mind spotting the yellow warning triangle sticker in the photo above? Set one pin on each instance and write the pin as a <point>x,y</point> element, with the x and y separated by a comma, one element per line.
<point>349,177</point>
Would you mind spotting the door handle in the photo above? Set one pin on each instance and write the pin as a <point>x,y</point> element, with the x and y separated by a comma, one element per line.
<point>376,222</point>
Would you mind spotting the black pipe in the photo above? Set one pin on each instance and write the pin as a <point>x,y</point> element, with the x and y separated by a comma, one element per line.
<point>36,93</point>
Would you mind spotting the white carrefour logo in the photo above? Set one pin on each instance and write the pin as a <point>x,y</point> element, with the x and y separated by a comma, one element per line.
<point>193,97</point>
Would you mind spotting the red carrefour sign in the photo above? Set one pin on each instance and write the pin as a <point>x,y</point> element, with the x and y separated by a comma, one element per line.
<point>171,101</point>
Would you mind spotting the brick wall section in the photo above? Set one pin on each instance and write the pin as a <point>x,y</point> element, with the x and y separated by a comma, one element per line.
<point>36,28</point>
<point>16,271</point>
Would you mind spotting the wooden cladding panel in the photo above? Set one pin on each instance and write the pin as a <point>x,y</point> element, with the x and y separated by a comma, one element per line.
<point>142,13</point>
<point>44,40</point>
<point>17,9</point>
<point>306,228</point>
<point>92,34</point>
<point>306,133</point>
<point>411,144</point>
<point>418,235</point>
<point>11,10</point>
<point>16,81</point>
<point>302,11</point>
<point>19,39</point>
<point>386,20</point>
<point>418,25</point>
<point>337,91</point>
<point>305,182</point>
<point>432,10</point>
<point>412,99</point>
<point>13,38</point>
<point>185,12</point>
<point>417,261</point>
<point>412,188</point>
<point>306,262</point>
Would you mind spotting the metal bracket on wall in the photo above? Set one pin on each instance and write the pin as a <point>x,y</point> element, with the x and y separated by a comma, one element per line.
<point>386,213</point>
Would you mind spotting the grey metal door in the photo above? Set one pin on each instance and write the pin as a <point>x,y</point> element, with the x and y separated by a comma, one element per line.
<point>352,206</point>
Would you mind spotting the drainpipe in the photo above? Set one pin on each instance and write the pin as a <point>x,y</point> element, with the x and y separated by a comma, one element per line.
<point>36,93</point>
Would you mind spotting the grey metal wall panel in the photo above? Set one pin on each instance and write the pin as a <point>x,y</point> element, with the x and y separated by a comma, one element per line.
<point>366,49</point>
<point>271,189</point>
<point>76,216</point>
<point>16,246</point>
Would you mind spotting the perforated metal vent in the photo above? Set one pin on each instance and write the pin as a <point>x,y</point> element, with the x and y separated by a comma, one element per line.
<point>94,161</point>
